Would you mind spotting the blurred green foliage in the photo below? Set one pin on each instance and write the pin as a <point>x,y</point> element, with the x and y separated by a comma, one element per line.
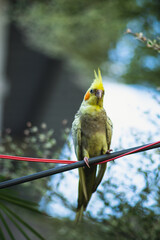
<point>37,142</point>
<point>135,224</point>
<point>75,30</point>
<point>139,71</point>
<point>83,32</point>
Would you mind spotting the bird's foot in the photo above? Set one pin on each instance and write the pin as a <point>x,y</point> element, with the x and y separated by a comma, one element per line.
<point>86,161</point>
<point>109,151</point>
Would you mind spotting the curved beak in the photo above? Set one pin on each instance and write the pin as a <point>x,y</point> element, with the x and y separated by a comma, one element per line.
<point>99,93</point>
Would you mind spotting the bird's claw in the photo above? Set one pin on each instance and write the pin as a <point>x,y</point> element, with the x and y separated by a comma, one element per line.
<point>86,162</point>
<point>109,151</point>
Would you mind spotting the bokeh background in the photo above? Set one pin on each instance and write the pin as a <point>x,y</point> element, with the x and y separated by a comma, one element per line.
<point>48,51</point>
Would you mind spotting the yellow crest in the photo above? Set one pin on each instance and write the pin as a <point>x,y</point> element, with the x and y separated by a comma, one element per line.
<point>97,84</point>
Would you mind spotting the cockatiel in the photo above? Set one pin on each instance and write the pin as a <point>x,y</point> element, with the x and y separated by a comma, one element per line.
<point>91,132</point>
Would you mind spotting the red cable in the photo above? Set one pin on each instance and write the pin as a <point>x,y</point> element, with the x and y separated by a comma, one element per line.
<point>29,159</point>
<point>133,151</point>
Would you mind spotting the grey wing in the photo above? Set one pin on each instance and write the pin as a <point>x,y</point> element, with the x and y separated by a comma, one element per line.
<point>109,131</point>
<point>76,134</point>
<point>102,167</point>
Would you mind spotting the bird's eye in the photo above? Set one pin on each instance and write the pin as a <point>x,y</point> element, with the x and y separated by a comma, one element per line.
<point>91,91</point>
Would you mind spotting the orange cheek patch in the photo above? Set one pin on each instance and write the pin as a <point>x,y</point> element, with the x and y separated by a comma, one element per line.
<point>87,95</point>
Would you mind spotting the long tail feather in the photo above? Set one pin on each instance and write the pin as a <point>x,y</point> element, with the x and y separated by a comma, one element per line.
<point>79,215</point>
<point>82,182</point>
<point>101,172</point>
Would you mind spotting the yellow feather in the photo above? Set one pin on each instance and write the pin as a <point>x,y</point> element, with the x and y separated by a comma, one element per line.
<point>99,75</point>
<point>97,83</point>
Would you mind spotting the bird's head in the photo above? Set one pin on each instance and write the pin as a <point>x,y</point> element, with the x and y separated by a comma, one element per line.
<point>94,95</point>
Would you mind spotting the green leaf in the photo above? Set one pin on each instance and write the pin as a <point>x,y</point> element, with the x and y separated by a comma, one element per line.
<point>7,227</point>
<point>2,237</point>
<point>24,223</point>
<point>14,222</point>
<point>19,202</point>
<point>4,193</point>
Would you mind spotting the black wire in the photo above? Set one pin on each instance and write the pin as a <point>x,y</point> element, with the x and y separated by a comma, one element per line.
<point>68,167</point>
